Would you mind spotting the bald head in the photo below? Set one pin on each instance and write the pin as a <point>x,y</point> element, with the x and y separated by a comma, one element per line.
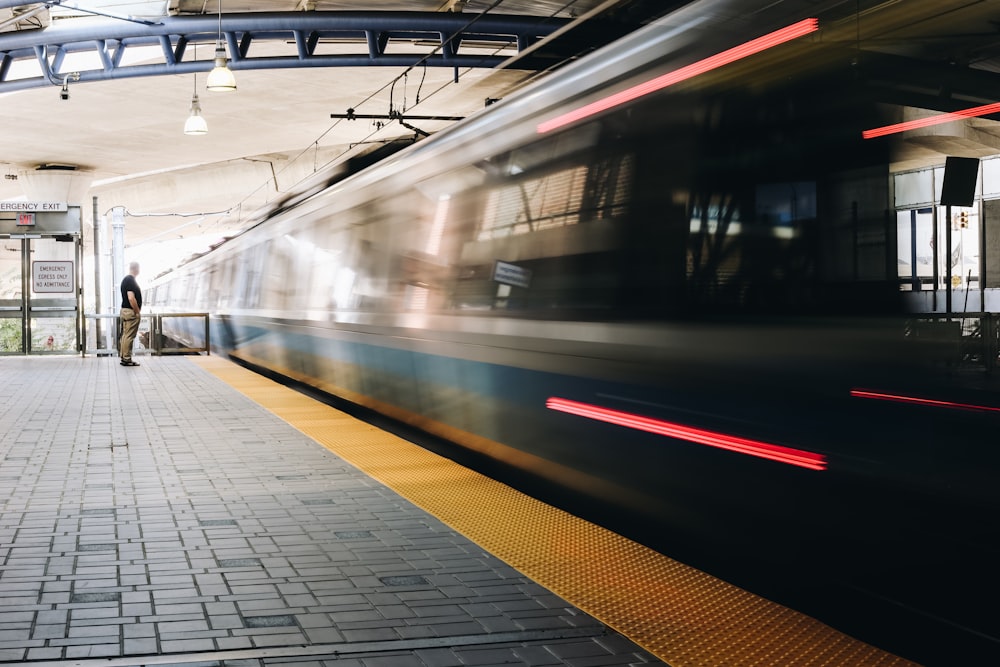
<point>133,268</point>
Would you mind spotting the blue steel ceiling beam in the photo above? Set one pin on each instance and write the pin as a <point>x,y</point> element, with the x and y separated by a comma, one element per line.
<point>169,55</point>
<point>102,52</point>
<point>302,44</point>
<point>373,32</point>
<point>41,55</point>
<point>377,41</point>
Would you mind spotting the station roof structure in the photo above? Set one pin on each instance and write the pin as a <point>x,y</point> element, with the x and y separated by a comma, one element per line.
<point>102,88</point>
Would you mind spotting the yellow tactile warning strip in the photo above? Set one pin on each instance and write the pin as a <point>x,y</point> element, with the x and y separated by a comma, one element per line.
<point>680,614</point>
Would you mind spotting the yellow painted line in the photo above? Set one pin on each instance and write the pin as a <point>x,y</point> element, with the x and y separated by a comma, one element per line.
<point>680,614</point>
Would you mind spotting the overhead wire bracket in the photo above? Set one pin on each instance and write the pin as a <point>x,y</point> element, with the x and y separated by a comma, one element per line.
<point>394,115</point>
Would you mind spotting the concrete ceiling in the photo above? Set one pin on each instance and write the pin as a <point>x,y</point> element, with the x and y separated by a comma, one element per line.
<point>124,137</point>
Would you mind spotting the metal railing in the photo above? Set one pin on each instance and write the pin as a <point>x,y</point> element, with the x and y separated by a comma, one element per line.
<point>159,338</point>
<point>970,340</point>
<point>102,333</point>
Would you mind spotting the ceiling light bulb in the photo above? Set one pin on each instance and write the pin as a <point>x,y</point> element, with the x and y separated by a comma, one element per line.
<point>221,78</point>
<point>195,124</point>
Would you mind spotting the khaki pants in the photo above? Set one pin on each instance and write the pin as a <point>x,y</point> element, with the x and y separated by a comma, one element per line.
<point>130,327</point>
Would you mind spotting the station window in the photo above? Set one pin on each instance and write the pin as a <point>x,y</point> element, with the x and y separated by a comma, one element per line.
<point>991,178</point>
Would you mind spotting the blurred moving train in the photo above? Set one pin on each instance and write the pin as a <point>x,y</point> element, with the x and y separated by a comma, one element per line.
<point>628,280</point>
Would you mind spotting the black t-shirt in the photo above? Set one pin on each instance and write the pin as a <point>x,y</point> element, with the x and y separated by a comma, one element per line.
<point>130,285</point>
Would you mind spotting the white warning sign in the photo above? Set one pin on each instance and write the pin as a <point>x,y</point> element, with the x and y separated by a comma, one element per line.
<point>52,277</point>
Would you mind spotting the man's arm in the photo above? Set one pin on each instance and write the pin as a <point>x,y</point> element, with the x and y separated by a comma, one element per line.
<point>132,301</point>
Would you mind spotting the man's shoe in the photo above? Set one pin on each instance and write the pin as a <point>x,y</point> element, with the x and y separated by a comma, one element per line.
<point>129,363</point>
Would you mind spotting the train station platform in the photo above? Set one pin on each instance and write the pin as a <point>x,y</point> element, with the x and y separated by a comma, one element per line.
<point>191,512</point>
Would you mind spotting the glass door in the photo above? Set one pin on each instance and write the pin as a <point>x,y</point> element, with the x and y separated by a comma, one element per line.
<point>916,253</point>
<point>964,251</point>
<point>53,322</point>
<point>39,295</point>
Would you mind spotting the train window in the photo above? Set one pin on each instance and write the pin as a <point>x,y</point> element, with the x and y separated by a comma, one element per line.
<point>331,286</point>
<point>278,283</point>
<point>160,295</point>
<point>574,144</point>
<point>252,265</point>
<point>224,291</point>
<point>201,285</point>
<point>553,200</point>
<point>180,295</point>
<point>562,198</point>
<point>562,181</point>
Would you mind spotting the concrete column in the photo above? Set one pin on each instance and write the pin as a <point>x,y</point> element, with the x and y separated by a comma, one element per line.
<point>55,183</point>
<point>117,253</point>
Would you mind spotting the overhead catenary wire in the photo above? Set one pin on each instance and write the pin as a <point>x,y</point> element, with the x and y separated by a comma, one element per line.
<point>382,88</point>
<point>200,215</point>
<point>315,144</point>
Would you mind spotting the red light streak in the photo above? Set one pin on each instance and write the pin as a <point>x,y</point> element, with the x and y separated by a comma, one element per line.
<point>984,110</point>
<point>775,38</point>
<point>795,457</point>
<point>899,398</point>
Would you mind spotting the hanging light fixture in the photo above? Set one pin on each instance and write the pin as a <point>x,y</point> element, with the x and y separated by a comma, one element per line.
<point>195,124</point>
<point>221,78</point>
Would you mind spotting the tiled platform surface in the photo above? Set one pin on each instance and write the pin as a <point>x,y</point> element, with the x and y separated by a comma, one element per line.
<point>154,515</point>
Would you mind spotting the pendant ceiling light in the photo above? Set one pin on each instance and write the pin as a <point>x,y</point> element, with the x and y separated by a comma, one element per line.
<point>221,78</point>
<point>195,124</point>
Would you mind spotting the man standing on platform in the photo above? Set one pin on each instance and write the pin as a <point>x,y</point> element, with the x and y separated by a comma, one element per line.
<point>131,305</point>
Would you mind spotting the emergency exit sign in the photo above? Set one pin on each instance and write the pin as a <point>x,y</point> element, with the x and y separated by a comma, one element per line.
<point>52,277</point>
<point>25,219</point>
